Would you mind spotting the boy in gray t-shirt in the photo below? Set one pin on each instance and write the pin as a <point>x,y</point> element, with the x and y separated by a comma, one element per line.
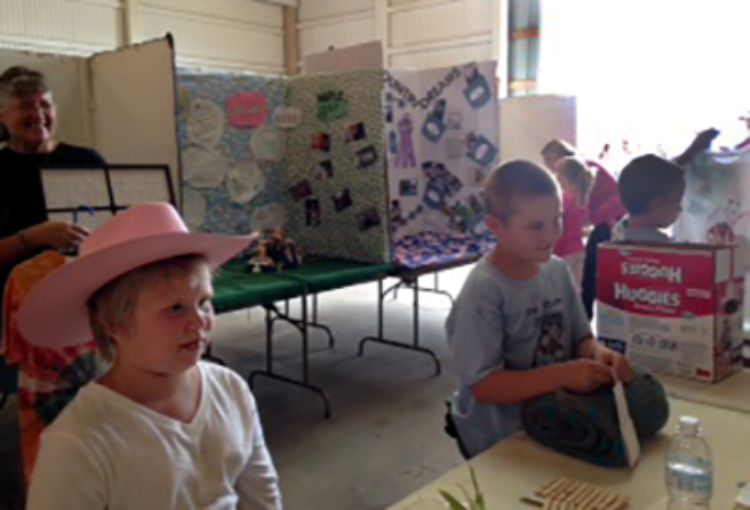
<point>518,329</point>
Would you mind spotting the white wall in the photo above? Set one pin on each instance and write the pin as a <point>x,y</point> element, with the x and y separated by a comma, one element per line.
<point>325,23</point>
<point>415,33</point>
<point>229,34</point>
<point>61,26</point>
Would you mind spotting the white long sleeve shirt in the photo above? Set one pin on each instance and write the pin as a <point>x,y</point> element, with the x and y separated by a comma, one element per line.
<point>107,451</point>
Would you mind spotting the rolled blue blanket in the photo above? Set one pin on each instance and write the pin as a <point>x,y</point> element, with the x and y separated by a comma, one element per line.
<point>586,426</point>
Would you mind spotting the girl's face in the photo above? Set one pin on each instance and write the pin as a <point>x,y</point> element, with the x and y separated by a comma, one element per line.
<point>170,327</point>
<point>30,120</point>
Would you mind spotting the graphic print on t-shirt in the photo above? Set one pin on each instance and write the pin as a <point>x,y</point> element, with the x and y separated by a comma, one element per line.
<point>550,348</point>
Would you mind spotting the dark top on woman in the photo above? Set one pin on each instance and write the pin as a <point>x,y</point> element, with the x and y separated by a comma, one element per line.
<point>21,194</point>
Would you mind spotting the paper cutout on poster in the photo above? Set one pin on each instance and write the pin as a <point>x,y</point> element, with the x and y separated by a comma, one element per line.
<point>194,209</point>
<point>454,148</point>
<point>405,157</point>
<point>477,91</point>
<point>332,105</point>
<point>203,167</point>
<point>247,109</point>
<point>287,117</point>
<point>434,124</point>
<point>453,120</point>
<point>205,123</point>
<point>268,144</point>
<point>480,149</point>
<point>244,181</point>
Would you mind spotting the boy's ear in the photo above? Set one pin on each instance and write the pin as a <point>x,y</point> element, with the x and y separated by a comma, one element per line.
<point>494,225</point>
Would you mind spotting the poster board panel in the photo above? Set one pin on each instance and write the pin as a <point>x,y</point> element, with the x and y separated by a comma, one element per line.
<point>336,188</point>
<point>361,56</point>
<point>134,107</point>
<point>442,140</point>
<point>231,150</point>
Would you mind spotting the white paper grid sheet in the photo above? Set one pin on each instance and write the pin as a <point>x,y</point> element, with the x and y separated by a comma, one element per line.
<point>73,188</point>
<point>133,186</point>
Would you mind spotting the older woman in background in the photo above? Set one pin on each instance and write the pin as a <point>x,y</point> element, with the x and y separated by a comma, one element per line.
<point>28,117</point>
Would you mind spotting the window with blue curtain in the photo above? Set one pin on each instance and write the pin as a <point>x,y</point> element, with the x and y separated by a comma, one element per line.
<point>523,46</point>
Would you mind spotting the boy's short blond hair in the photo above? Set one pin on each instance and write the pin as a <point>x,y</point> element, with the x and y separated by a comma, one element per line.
<point>513,179</point>
<point>111,307</point>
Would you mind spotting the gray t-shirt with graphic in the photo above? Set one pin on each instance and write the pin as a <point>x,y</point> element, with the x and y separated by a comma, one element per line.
<point>499,323</point>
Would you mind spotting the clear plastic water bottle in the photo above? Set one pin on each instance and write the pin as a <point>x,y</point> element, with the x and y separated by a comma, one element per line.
<point>689,470</point>
<point>742,501</point>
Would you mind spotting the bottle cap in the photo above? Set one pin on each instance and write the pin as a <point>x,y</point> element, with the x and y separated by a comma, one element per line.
<point>689,425</point>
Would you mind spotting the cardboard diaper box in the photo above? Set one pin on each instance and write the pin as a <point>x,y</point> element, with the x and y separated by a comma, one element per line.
<point>674,309</point>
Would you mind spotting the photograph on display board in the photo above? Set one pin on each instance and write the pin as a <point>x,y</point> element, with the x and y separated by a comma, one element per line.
<point>441,130</point>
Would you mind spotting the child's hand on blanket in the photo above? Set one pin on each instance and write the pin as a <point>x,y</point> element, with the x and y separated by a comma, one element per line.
<point>616,361</point>
<point>585,375</point>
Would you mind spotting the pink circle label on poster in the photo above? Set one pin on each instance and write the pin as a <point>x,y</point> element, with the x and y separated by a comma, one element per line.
<point>247,109</point>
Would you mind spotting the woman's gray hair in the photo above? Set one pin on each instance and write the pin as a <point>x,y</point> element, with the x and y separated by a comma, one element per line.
<point>19,81</point>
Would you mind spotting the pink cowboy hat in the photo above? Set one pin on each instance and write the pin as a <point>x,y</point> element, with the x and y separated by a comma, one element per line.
<point>54,314</point>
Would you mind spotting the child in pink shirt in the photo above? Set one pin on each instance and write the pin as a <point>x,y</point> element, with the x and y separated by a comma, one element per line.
<point>604,206</point>
<point>576,181</point>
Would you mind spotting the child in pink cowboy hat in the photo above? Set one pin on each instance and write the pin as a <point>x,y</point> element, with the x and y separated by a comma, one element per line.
<point>159,429</point>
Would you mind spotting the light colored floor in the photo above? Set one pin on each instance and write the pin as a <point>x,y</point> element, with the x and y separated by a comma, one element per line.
<point>385,438</point>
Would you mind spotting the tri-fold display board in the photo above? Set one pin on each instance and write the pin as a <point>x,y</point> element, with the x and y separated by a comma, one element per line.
<point>370,165</point>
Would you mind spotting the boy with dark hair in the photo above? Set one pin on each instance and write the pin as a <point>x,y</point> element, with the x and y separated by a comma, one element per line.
<point>651,190</point>
<point>518,329</point>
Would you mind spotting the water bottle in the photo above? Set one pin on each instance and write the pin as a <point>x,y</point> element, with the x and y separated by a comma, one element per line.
<point>689,472</point>
<point>742,501</point>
